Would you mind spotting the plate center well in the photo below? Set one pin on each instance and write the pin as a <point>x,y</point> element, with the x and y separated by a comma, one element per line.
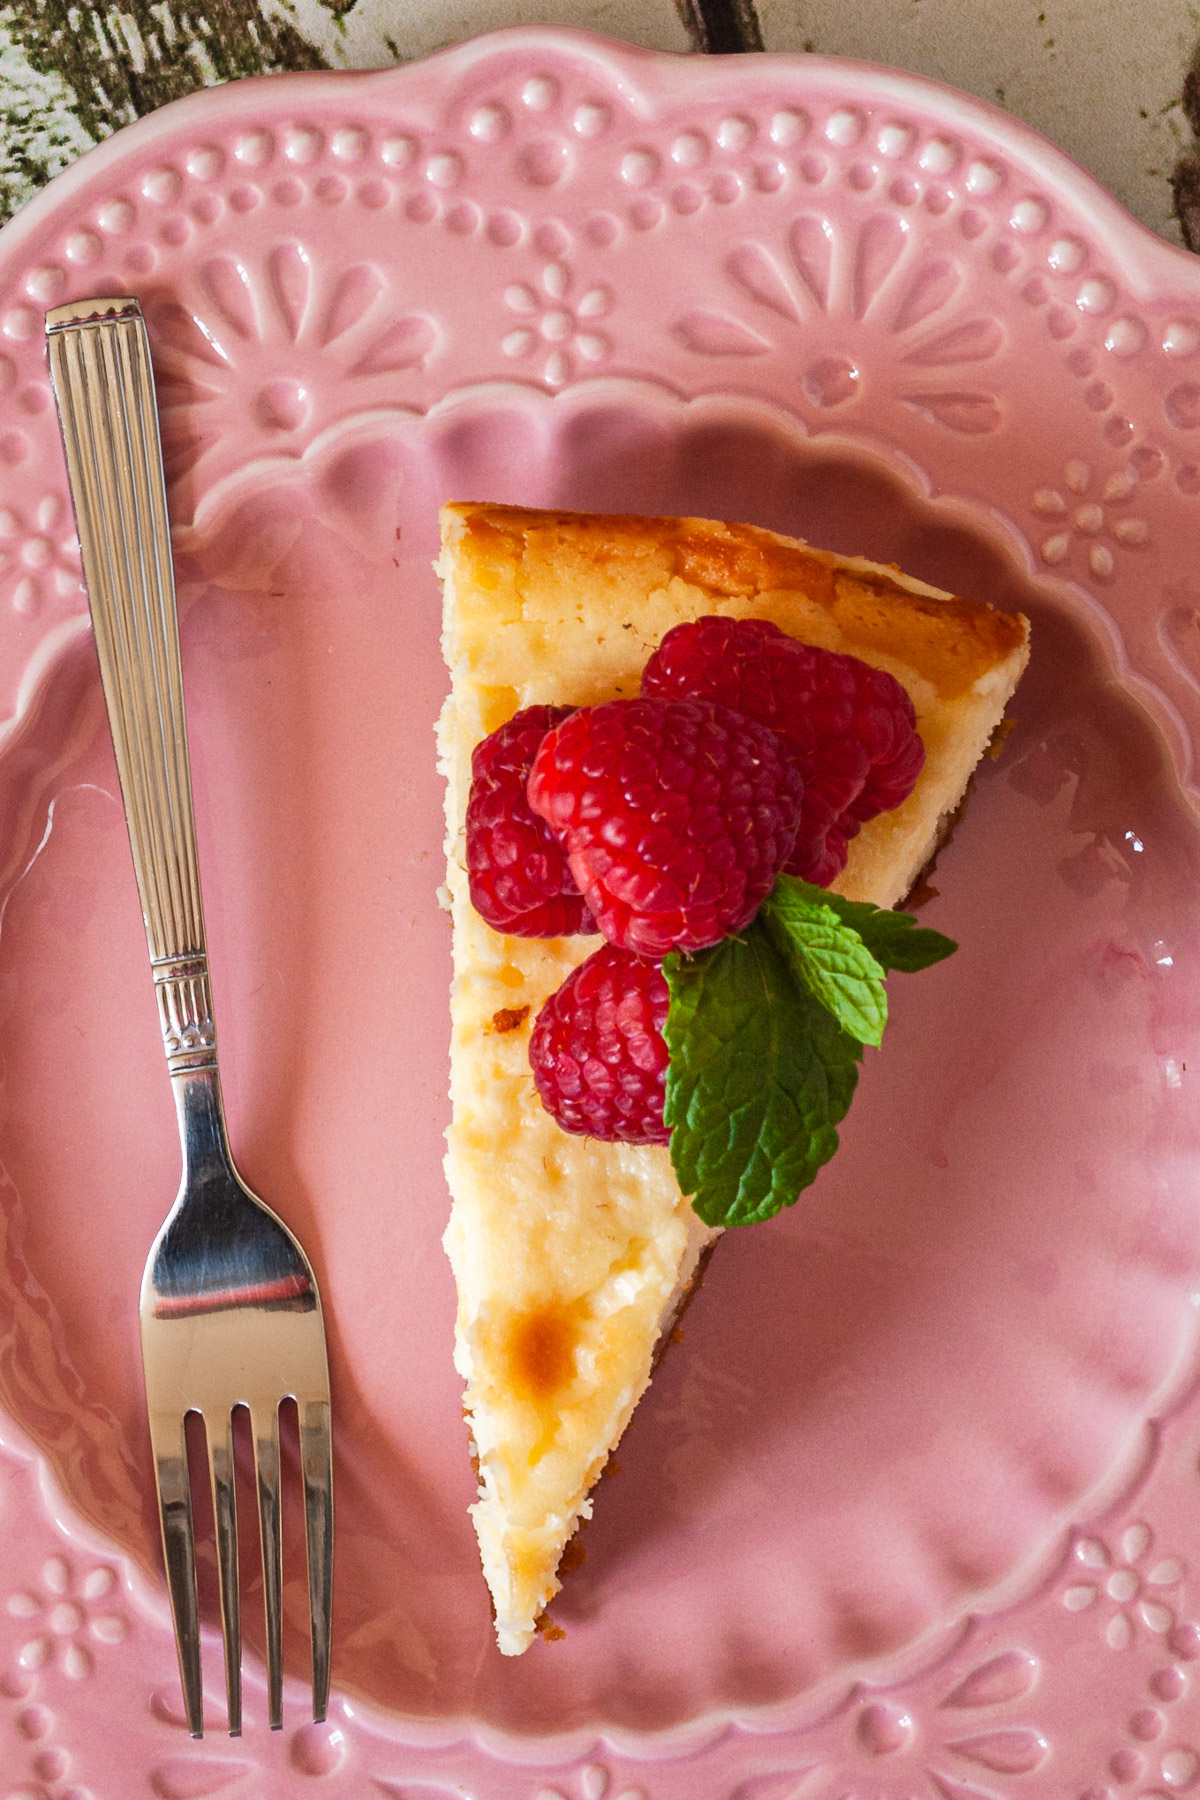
<point>888,1401</point>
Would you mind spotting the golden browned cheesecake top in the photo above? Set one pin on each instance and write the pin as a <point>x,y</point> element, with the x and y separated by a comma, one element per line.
<point>949,640</point>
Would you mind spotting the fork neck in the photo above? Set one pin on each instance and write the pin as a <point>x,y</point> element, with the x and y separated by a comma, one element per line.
<point>190,1041</point>
<point>201,1116</point>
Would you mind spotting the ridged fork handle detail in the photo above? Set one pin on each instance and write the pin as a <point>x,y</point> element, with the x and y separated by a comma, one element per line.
<point>100,368</point>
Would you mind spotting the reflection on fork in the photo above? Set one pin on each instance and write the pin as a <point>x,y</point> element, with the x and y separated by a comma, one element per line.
<point>231,1315</point>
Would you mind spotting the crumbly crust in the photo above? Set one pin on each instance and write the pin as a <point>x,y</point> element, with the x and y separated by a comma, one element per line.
<point>571,1255</point>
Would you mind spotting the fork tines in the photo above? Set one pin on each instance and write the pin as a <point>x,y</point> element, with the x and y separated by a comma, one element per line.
<point>168,1439</point>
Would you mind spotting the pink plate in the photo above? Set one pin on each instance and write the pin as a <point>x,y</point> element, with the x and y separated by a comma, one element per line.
<point>914,1508</point>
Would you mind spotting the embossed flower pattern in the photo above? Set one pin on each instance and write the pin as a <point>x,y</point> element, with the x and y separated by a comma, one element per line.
<point>594,1783</point>
<point>819,268</point>
<point>1140,1585</point>
<point>895,1749</point>
<point>1086,510</point>
<point>39,556</point>
<point>67,1618</point>
<point>552,322</point>
<point>227,360</point>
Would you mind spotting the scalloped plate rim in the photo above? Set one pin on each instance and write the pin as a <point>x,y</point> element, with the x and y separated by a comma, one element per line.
<point>1133,247</point>
<point>881,80</point>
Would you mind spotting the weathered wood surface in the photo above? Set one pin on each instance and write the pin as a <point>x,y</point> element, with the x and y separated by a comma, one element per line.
<point>71,71</point>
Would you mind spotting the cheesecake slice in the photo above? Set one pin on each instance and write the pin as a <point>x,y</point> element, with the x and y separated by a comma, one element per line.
<point>572,1257</point>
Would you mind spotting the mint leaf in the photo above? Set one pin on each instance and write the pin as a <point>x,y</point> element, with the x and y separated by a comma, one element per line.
<point>894,939</point>
<point>758,1078</point>
<point>829,957</point>
<point>764,1033</point>
<point>841,1055</point>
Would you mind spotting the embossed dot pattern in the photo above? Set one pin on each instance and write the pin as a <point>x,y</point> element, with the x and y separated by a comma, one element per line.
<point>1182,406</point>
<point>788,127</point>
<point>1095,295</point>
<point>883,1728</point>
<point>591,119</point>
<point>317,1750</point>
<point>1180,1768</point>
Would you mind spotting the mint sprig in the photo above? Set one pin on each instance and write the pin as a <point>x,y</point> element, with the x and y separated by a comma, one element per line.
<point>765,1031</point>
<point>894,939</point>
<point>830,958</point>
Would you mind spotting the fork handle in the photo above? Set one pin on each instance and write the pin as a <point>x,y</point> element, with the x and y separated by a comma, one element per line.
<point>104,385</point>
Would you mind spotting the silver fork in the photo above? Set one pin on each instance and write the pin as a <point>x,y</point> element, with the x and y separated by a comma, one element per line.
<point>230,1312</point>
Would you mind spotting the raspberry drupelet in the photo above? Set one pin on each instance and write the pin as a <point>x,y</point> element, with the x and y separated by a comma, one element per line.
<point>676,817</point>
<point>518,873</point>
<point>597,1050</point>
<point>851,728</point>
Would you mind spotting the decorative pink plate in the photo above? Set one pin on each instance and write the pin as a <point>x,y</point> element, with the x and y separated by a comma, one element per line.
<point>914,1509</point>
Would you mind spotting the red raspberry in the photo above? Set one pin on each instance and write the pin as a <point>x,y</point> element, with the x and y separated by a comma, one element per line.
<point>520,882</point>
<point>597,1050</point>
<point>851,728</point>
<point>676,816</point>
